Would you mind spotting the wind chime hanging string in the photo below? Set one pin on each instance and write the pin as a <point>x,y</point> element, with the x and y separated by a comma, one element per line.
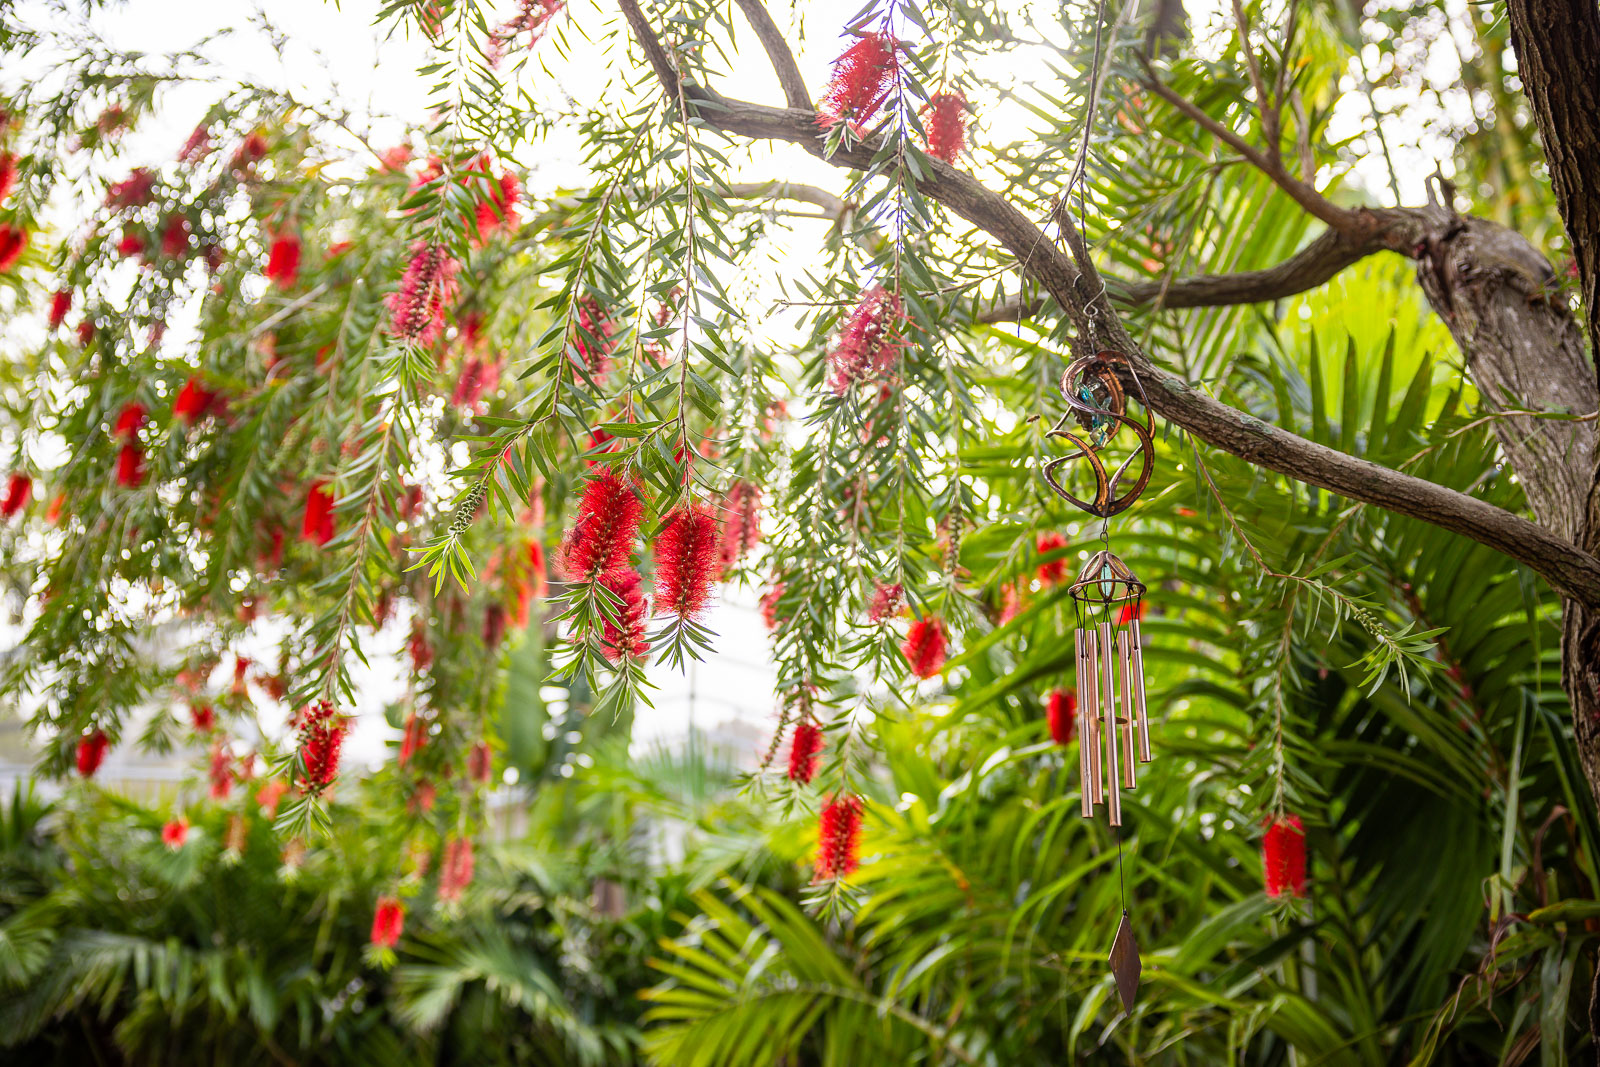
<point>1108,599</point>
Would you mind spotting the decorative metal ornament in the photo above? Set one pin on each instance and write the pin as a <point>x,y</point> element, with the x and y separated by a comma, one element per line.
<point>1097,403</point>
<point>1125,965</point>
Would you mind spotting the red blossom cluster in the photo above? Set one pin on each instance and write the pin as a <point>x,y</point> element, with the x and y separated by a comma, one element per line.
<point>416,309</point>
<point>479,375</point>
<point>499,212</point>
<point>838,838</point>
<point>283,260</point>
<point>741,524</point>
<point>592,338</point>
<point>8,174</point>
<point>944,120</point>
<point>924,647</point>
<point>1283,857</point>
<point>132,191</point>
<point>887,600</point>
<point>175,833</point>
<point>13,241</point>
<point>60,304</point>
<point>1133,609</point>
<point>132,244</point>
<point>1061,714</point>
<point>19,489</point>
<point>805,750</point>
<point>455,868</point>
<point>494,625</point>
<point>480,763</point>
<point>421,650</point>
<point>413,739</point>
<point>220,772</point>
<point>203,717</point>
<point>687,561</point>
<point>388,922</point>
<point>175,236</point>
<point>532,19</point>
<point>130,458</point>
<point>860,82</point>
<point>317,524</point>
<point>92,752</point>
<point>193,402</point>
<point>531,586</point>
<point>625,638</point>
<point>251,151</point>
<point>197,146</point>
<point>769,606</point>
<point>322,733</point>
<point>1050,571</point>
<point>866,349</point>
<point>601,539</point>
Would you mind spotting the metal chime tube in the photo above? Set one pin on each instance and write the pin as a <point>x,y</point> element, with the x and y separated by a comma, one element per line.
<point>1083,730</point>
<point>1108,705</point>
<point>1138,691</point>
<point>1130,774</point>
<point>1091,699</point>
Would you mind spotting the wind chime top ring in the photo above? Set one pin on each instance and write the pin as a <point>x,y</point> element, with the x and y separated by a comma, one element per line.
<point>1098,404</point>
<point>1105,580</point>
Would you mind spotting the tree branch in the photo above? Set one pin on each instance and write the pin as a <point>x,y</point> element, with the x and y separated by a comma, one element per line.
<point>1071,281</point>
<point>783,64</point>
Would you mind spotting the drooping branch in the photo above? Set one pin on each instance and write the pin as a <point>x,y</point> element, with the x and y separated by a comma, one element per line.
<point>1070,281</point>
<point>782,59</point>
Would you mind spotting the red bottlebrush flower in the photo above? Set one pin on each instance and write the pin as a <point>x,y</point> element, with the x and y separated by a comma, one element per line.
<point>283,261</point>
<point>58,504</point>
<point>130,420</point>
<point>1051,571</point>
<point>805,751</point>
<point>686,561</point>
<point>861,78</point>
<point>887,601</point>
<point>1133,609</point>
<point>423,798</point>
<point>388,922</point>
<point>132,191</point>
<point>592,338</point>
<point>174,236</point>
<point>317,525</point>
<point>13,240</point>
<point>601,540</point>
<point>270,555</point>
<point>838,838</point>
<point>741,530</point>
<point>395,158</point>
<point>193,401</point>
<point>421,650</point>
<point>924,647</point>
<point>8,174</point>
<point>478,376</point>
<point>414,739</point>
<point>220,773</point>
<point>532,18</point>
<point>428,285</point>
<point>866,349</point>
<point>250,151</point>
<point>241,670</point>
<point>944,119</point>
<point>19,488</point>
<point>494,625</point>
<point>60,304</point>
<point>1061,712</point>
<point>92,752</point>
<point>130,466</point>
<point>480,763</point>
<point>204,717</point>
<point>321,736</point>
<point>238,834</point>
<point>268,795</point>
<point>196,147</point>
<point>175,833</point>
<point>769,606</point>
<point>455,868</point>
<point>275,686</point>
<point>132,244</point>
<point>1283,857</point>
<point>625,637</point>
<point>1012,601</point>
<point>85,333</point>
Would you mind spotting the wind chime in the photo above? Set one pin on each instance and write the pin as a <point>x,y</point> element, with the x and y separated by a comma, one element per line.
<point>1113,733</point>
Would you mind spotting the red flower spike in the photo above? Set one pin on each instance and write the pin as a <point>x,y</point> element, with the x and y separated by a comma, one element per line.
<point>1283,857</point>
<point>283,261</point>
<point>221,773</point>
<point>204,717</point>
<point>175,833</point>
<point>175,236</point>
<point>494,626</point>
<point>861,78</point>
<point>838,838</point>
<point>592,338</point>
<point>58,504</point>
<point>417,308</point>
<point>8,174</point>
<point>532,18</point>
<point>480,763</point>
<point>196,147</point>
<point>13,240</point>
<point>924,647</point>
<point>132,244</point>
<point>944,119</point>
<point>19,489</point>
<point>601,540</point>
<point>130,420</point>
<point>130,466</point>
<point>455,868</point>
<point>1051,571</point>
<point>92,752</point>
<point>805,750</point>
<point>1061,713</point>
<point>193,402</point>
<point>626,637</point>
<point>741,530</point>
<point>769,606</point>
<point>414,739</point>
<point>421,651</point>
<point>132,191</point>
<point>321,736</point>
<point>60,304</point>
<point>887,601</point>
<point>1132,610</point>
<point>686,561</point>
<point>268,795</point>
<point>317,525</point>
<point>388,922</point>
<point>869,343</point>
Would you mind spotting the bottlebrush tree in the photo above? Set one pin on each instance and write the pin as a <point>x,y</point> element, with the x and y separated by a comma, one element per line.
<point>408,380</point>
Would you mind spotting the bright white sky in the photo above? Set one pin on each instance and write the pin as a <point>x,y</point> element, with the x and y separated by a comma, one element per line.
<point>335,53</point>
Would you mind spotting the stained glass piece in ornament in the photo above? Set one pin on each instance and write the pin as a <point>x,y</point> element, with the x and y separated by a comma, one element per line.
<point>1124,961</point>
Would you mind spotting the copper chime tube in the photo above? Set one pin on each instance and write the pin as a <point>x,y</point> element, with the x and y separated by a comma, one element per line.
<point>1108,705</point>
<point>1138,691</point>
<point>1091,663</point>
<point>1130,774</point>
<point>1084,731</point>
